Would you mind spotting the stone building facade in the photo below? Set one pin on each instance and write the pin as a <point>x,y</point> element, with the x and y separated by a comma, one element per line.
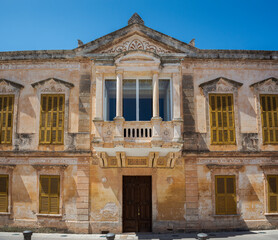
<point>138,131</point>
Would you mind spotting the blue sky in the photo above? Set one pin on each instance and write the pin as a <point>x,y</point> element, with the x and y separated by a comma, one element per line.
<point>215,24</point>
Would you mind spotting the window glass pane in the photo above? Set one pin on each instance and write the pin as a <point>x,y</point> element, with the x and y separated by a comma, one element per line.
<point>164,100</point>
<point>145,100</point>
<point>129,100</point>
<point>110,100</point>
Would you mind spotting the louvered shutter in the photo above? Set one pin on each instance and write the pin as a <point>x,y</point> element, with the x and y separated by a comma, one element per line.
<point>54,195</point>
<point>222,119</point>
<point>6,118</point>
<point>44,194</point>
<point>269,118</point>
<point>220,196</point>
<point>225,195</point>
<point>272,193</point>
<point>52,119</point>
<point>230,195</point>
<point>4,180</point>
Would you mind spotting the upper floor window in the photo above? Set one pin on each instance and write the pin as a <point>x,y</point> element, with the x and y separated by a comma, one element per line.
<point>225,195</point>
<point>49,194</point>
<point>138,99</point>
<point>269,116</point>
<point>4,194</point>
<point>222,119</point>
<point>52,119</point>
<point>6,118</point>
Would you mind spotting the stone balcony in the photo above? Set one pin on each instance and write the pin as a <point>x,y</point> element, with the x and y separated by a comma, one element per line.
<point>147,140</point>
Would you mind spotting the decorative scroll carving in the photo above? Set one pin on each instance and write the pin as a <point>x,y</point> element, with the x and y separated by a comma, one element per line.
<point>171,158</point>
<point>136,44</point>
<point>103,159</point>
<point>153,157</point>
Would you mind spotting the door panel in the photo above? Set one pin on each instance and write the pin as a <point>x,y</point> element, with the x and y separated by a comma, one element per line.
<point>137,202</point>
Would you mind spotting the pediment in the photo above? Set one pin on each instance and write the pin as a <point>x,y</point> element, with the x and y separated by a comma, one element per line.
<point>52,85</point>
<point>266,85</point>
<point>220,85</point>
<point>134,37</point>
<point>7,86</point>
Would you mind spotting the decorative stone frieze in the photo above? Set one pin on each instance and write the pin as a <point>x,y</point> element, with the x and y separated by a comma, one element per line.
<point>153,160</point>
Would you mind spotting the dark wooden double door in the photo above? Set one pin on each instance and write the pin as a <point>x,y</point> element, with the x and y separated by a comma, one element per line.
<point>137,203</point>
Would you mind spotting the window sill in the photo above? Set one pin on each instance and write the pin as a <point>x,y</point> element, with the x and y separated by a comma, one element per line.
<point>226,215</point>
<point>49,215</point>
<point>271,214</point>
<point>5,213</point>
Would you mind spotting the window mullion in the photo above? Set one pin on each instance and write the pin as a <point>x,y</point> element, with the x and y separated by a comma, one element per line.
<point>137,100</point>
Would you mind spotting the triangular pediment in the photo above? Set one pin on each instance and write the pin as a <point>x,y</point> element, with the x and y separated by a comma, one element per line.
<point>135,37</point>
<point>220,84</point>
<point>52,85</point>
<point>266,85</point>
<point>7,86</point>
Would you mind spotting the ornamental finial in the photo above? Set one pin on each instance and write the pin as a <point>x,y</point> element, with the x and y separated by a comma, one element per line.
<point>135,18</point>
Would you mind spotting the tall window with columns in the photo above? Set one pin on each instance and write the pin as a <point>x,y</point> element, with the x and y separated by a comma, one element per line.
<point>138,99</point>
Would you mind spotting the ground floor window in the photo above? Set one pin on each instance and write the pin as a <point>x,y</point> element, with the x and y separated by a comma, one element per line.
<point>272,181</point>
<point>4,193</point>
<point>225,195</point>
<point>49,194</point>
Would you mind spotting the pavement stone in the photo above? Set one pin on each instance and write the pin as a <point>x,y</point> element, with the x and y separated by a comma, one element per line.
<point>243,235</point>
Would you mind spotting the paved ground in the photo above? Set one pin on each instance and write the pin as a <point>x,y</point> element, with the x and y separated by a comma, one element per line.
<point>264,234</point>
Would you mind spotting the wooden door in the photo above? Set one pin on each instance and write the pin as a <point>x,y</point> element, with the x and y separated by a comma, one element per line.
<point>137,203</point>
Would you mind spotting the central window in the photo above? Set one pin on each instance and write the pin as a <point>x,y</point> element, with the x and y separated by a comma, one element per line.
<point>137,99</point>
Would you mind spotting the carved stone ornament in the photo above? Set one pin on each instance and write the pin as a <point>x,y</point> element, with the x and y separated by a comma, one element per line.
<point>267,85</point>
<point>52,85</point>
<point>220,84</point>
<point>7,86</point>
<point>136,44</point>
<point>151,161</point>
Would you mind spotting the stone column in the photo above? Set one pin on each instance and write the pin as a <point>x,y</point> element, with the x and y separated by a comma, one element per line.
<point>119,95</point>
<point>177,120</point>
<point>156,120</point>
<point>119,120</point>
<point>98,120</point>
<point>155,95</point>
<point>99,97</point>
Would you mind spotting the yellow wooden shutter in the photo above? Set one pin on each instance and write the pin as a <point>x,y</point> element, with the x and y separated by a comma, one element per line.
<point>225,195</point>
<point>49,194</point>
<point>52,119</point>
<point>4,188</point>
<point>54,195</point>
<point>222,119</point>
<point>44,194</point>
<point>220,196</point>
<point>269,116</point>
<point>272,193</point>
<point>6,118</point>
